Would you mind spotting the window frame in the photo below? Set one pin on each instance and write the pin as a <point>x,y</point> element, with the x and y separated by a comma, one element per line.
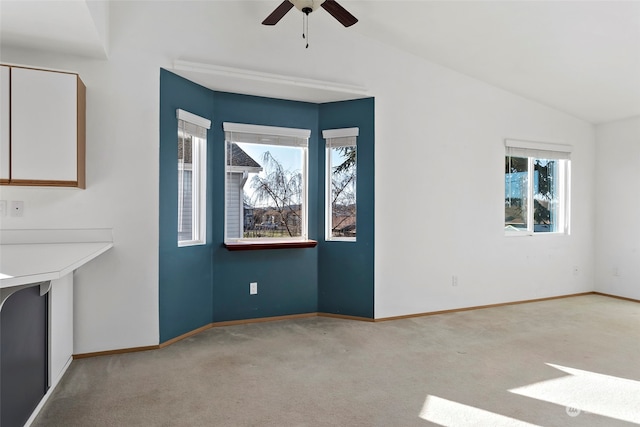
<point>342,138</point>
<point>532,151</point>
<point>252,134</point>
<point>194,125</point>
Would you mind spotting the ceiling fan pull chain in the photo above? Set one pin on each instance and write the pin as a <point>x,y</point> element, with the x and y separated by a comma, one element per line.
<point>305,28</point>
<point>307,31</point>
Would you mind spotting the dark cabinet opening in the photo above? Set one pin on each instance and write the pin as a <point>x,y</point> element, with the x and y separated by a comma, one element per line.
<point>23,355</point>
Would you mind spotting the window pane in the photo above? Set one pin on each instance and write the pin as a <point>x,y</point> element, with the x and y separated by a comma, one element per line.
<point>265,191</point>
<point>185,187</point>
<point>191,184</point>
<point>516,183</point>
<point>545,195</point>
<point>343,191</point>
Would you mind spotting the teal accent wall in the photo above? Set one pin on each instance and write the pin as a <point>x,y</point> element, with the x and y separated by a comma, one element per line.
<point>346,276</point>
<point>185,273</point>
<point>287,278</point>
<point>204,284</point>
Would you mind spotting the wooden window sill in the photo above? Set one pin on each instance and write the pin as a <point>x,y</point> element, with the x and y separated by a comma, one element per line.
<point>254,246</point>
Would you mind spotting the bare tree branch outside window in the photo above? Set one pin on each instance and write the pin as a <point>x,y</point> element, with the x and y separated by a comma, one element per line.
<point>343,194</point>
<point>279,191</point>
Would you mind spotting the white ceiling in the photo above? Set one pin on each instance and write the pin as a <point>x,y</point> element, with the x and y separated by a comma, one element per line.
<point>72,26</point>
<point>580,57</point>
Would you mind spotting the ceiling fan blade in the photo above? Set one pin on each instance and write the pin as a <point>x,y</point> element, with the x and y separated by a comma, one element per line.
<point>339,12</point>
<point>278,13</point>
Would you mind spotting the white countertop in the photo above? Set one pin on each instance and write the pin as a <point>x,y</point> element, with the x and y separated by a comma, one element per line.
<point>22,264</point>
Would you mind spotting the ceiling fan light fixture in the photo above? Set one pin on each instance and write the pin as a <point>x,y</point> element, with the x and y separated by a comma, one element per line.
<point>307,6</point>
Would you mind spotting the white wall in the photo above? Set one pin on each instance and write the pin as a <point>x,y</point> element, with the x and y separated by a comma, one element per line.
<point>618,208</point>
<point>439,138</point>
<point>116,295</point>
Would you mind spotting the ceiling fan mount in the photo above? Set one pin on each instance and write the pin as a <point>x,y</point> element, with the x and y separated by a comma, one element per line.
<point>308,6</point>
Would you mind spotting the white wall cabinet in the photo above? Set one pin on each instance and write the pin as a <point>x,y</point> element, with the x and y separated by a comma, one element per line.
<point>47,128</point>
<point>4,124</point>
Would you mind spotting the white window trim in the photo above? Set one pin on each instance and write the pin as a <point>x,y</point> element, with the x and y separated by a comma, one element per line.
<point>340,133</point>
<point>544,150</point>
<point>193,119</point>
<point>535,147</point>
<point>199,176</point>
<point>266,130</point>
<point>295,138</point>
<point>345,137</point>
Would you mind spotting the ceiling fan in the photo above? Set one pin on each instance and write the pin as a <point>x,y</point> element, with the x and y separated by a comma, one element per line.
<point>308,6</point>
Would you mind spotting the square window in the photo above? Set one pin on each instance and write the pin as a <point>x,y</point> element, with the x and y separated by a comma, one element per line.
<point>536,191</point>
<point>265,183</point>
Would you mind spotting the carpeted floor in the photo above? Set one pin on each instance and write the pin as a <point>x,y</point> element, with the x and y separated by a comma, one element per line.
<point>453,369</point>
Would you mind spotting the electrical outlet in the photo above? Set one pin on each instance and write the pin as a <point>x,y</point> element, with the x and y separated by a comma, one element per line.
<point>3,208</point>
<point>17,208</point>
<point>253,288</point>
<point>454,280</point>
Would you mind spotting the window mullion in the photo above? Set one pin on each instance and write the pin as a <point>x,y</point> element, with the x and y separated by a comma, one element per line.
<point>328,192</point>
<point>562,195</point>
<point>305,190</point>
<point>530,202</point>
<point>195,185</point>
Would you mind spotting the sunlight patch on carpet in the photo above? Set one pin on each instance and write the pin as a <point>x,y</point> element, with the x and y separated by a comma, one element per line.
<point>590,392</point>
<point>449,413</point>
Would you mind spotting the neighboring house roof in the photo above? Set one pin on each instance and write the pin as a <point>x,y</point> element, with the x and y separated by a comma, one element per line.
<point>240,158</point>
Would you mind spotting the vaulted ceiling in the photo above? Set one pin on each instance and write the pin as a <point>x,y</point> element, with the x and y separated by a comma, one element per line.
<point>580,57</point>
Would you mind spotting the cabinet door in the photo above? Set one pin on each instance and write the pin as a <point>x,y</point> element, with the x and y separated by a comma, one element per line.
<point>4,123</point>
<point>44,125</point>
<point>23,355</point>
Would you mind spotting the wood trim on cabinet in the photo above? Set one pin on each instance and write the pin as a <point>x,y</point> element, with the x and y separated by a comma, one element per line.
<point>81,130</point>
<point>27,67</point>
<point>81,133</point>
<point>37,183</point>
<point>10,125</point>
